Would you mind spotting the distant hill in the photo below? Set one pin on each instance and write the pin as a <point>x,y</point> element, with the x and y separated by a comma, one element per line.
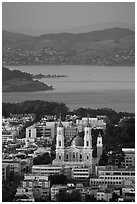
<point>100,26</point>
<point>75,30</point>
<point>68,48</point>
<point>17,81</point>
<point>15,74</point>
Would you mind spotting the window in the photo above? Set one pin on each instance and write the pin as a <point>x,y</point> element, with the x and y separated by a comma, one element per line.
<point>125,174</point>
<point>87,143</point>
<point>59,157</point>
<point>87,157</point>
<point>59,143</point>
<point>117,173</point>
<point>29,133</point>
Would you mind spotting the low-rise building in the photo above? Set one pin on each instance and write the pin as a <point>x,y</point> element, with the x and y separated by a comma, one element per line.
<point>24,195</point>
<point>7,138</point>
<point>97,123</point>
<point>104,195</point>
<point>69,132</point>
<point>80,173</point>
<point>55,190</point>
<point>113,177</point>
<point>39,183</point>
<point>129,158</point>
<point>5,171</point>
<point>14,165</point>
<point>33,180</point>
<point>47,169</point>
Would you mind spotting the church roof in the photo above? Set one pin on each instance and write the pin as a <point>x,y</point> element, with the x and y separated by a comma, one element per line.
<point>60,124</point>
<point>88,124</point>
<point>77,141</point>
<point>99,135</point>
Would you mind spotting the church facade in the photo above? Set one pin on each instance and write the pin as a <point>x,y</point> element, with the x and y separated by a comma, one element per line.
<point>78,154</point>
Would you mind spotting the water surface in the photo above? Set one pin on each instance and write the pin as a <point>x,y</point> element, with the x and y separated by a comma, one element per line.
<point>85,86</point>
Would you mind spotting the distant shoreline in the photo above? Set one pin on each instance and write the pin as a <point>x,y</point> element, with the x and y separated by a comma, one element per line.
<point>96,65</point>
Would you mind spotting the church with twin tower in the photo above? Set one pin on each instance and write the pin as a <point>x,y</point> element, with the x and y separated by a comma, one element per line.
<point>79,153</point>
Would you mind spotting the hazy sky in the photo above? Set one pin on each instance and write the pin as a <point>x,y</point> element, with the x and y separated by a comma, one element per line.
<point>46,15</point>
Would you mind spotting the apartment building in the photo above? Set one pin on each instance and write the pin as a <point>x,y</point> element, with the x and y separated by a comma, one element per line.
<point>80,173</point>
<point>97,123</point>
<point>113,177</point>
<point>47,169</point>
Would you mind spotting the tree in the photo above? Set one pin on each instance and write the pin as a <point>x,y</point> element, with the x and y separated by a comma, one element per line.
<point>75,196</point>
<point>44,159</point>
<point>58,179</point>
<point>90,198</point>
<point>116,157</point>
<point>103,160</point>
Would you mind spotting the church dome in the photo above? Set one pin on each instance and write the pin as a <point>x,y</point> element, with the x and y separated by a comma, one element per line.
<point>77,141</point>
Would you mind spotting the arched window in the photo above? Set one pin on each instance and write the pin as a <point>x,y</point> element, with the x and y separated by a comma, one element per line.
<point>67,157</point>
<point>80,157</point>
<point>59,143</point>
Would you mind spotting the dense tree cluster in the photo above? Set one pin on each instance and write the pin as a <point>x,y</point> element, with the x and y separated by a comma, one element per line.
<point>40,108</point>
<point>10,186</point>
<point>75,196</point>
<point>122,136</point>
<point>58,179</point>
<point>42,159</point>
<point>112,115</point>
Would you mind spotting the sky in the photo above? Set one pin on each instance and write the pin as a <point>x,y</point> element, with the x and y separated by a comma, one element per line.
<point>23,16</point>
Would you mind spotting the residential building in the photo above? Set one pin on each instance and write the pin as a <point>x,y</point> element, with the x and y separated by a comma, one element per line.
<point>129,159</point>
<point>39,183</point>
<point>69,132</point>
<point>15,165</point>
<point>97,123</point>
<point>5,171</point>
<point>24,195</point>
<point>47,169</point>
<point>32,180</point>
<point>104,195</point>
<point>55,190</point>
<point>80,173</point>
<point>7,138</point>
<point>111,176</point>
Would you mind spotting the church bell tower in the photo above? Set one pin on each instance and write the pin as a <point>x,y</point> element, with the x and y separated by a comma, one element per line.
<point>87,143</point>
<point>60,143</point>
<point>99,146</point>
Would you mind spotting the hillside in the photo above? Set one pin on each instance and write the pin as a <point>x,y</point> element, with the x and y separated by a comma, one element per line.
<point>17,81</point>
<point>105,47</point>
<point>15,74</point>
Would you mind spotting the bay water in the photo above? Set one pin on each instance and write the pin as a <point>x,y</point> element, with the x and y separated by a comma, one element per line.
<point>84,86</point>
